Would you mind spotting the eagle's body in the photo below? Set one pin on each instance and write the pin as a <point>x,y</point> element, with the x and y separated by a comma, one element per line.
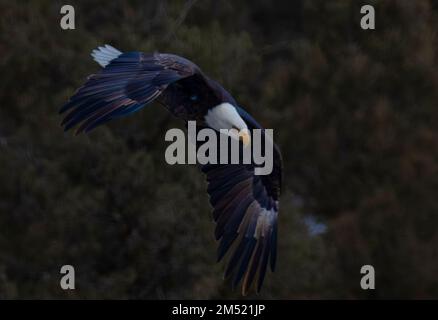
<point>245,205</point>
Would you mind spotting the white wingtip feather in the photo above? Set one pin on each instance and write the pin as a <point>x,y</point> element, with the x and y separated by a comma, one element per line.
<point>104,55</point>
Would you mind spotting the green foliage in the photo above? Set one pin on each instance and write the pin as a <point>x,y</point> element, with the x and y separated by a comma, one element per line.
<point>354,113</point>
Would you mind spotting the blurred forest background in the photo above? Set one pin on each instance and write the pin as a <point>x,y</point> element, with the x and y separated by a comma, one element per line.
<point>354,112</point>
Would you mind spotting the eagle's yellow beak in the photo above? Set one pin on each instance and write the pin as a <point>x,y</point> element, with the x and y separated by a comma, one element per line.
<point>245,137</point>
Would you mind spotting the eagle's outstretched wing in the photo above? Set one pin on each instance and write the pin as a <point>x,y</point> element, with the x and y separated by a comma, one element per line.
<point>128,82</point>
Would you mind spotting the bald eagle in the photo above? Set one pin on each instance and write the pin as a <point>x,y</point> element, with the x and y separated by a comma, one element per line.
<point>245,205</point>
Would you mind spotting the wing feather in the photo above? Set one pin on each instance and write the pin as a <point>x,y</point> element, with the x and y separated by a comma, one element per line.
<point>245,208</point>
<point>128,82</point>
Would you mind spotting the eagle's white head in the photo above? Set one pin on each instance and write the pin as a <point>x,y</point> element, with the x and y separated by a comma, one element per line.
<point>225,116</point>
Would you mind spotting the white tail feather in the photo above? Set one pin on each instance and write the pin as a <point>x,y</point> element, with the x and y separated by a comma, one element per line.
<point>104,55</point>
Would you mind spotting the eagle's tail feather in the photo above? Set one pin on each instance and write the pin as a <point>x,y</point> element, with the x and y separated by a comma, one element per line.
<point>104,55</point>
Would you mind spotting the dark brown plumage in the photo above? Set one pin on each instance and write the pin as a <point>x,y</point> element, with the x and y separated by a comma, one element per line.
<point>245,206</point>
